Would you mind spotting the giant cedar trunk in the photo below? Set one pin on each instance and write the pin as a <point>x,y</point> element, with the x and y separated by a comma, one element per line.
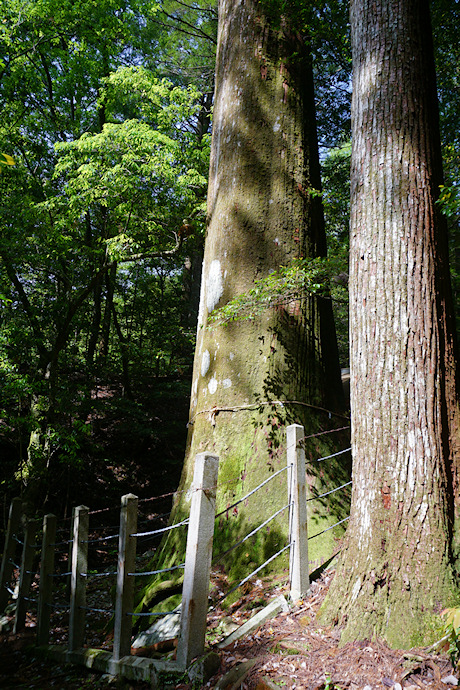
<point>395,573</point>
<point>261,214</point>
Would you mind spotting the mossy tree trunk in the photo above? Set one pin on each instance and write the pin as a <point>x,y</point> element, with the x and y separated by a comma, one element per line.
<point>395,574</point>
<point>252,378</point>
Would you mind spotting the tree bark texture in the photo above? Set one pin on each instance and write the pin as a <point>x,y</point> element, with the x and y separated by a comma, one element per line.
<point>251,378</point>
<point>395,574</point>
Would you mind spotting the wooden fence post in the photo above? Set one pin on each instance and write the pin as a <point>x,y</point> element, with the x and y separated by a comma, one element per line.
<point>69,577</point>
<point>14,520</point>
<point>124,601</point>
<point>198,560</point>
<point>25,576</point>
<point>46,581</point>
<point>298,534</point>
<point>78,578</point>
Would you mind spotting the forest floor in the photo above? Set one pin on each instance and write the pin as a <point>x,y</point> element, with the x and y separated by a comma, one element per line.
<point>291,651</point>
<point>139,448</point>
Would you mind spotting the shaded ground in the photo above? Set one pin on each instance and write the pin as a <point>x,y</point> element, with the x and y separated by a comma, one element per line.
<point>294,651</point>
<point>134,447</point>
<point>19,669</point>
<point>139,448</point>
<point>290,651</point>
<point>129,446</point>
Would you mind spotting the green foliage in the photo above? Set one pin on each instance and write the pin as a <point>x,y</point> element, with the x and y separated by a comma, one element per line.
<point>335,169</point>
<point>110,157</point>
<point>449,198</point>
<point>451,634</point>
<point>289,283</point>
<point>328,686</point>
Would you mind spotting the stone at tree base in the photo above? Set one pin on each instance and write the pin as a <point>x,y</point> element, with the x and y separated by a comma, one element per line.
<point>450,680</point>
<point>203,668</point>
<point>233,679</point>
<point>5,624</point>
<point>228,626</point>
<point>266,684</point>
<point>166,628</point>
<point>108,678</point>
<point>270,611</point>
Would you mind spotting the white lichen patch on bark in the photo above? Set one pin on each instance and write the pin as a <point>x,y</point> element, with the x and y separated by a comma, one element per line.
<point>212,385</point>
<point>356,589</point>
<point>205,362</point>
<point>363,498</point>
<point>194,399</point>
<point>214,285</point>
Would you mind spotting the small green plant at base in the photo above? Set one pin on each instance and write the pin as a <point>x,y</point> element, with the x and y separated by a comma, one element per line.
<point>328,686</point>
<point>171,679</point>
<point>452,634</point>
<point>286,651</point>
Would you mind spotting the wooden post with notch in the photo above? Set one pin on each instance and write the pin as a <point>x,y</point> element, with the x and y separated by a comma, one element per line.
<point>298,532</point>
<point>124,601</point>
<point>198,560</point>
<point>78,578</point>
<point>46,579</point>
<point>14,521</point>
<point>25,576</point>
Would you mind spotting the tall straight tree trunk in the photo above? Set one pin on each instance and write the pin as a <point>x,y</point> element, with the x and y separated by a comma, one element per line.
<point>110,280</point>
<point>95,323</point>
<point>252,378</point>
<point>395,574</point>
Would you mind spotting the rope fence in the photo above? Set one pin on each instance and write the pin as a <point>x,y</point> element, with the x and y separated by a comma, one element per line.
<point>152,614</point>
<point>74,576</point>
<point>62,543</point>
<point>328,493</point>
<point>162,530</point>
<point>251,534</point>
<point>97,574</point>
<point>100,539</point>
<point>328,528</point>
<point>95,610</point>
<point>324,433</point>
<point>334,455</point>
<point>241,500</point>
<point>60,574</point>
<point>254,572</point>
<point>58,607</point>
<point>157,572</point>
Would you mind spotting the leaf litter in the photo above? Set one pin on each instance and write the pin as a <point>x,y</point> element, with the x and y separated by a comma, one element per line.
<point>292,651</point>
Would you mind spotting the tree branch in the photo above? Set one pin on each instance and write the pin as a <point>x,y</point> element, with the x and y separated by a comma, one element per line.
<point>75,304</point>
<point>27,306</point>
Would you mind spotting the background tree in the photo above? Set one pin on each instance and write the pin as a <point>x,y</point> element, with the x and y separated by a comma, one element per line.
<point>396,570</point>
